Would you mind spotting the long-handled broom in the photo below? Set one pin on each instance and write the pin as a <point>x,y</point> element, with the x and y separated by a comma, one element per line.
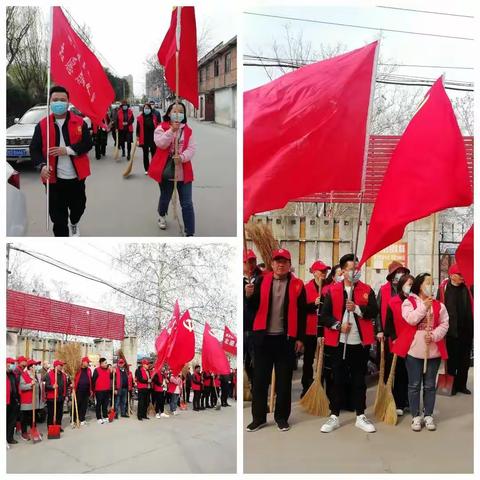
<point>380,405</point>
<point>34,433</point>
<point>128,170</point>
<point>391,408</point>
<point>271,403</point>
<point>111,411</point>
<point>117,150</point>
<point>54,430</point>
<point>315,400</point>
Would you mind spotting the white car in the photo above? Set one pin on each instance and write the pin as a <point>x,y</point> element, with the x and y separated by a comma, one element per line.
<point>16,205</point>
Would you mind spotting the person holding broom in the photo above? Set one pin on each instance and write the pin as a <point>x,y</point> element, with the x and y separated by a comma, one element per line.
<point>146,124</point>
<point>27,382</point>
<point>347,316</point>
<point>423,346</point>
<point>56,382</point>
<point>83,388</point>
<point>279,301</point>
<point>125,120</point>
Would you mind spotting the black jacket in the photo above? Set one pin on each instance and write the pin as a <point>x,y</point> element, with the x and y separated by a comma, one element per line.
<point>14,394</point>
<point>378,319</point>
<point>248,314</point>
<point>459,308</point>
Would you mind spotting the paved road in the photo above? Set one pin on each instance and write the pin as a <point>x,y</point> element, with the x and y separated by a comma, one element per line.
<point>304,449</point>
<point>193,442</point>
<point>128,207</point>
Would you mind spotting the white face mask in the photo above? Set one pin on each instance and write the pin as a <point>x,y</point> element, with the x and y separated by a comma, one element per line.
<point>339,278</point>
<point>406,289</point>
<point>397,277</point>
<point>427,290</point>
<point>354,277</point>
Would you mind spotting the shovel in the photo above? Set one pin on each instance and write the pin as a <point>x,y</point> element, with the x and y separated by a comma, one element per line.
<point>54,430</point>
<point>111,412</point>
<point>34,433</point>
<point>445,383</point>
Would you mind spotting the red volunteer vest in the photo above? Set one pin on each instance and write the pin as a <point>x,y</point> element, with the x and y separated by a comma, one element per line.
<point>171,387</point>
<point>118,378</point>
<point>207,380</point>
<point>77,378</point>
<point>159,160</point>
<point>120,119</point>
<point>26,396</point>
<point>81,162</point>
<point>360,298</point>
<point>385,296</point>
<point>404,340</point>
<point>294,290</point>
<point>158,388</point>
<point>130,380</point>
<point>104,382</point>
<point>140,119</point>
<point>312,318</point>
<point>198,378</point>
<point>145,377</point>
<point>51,393</point>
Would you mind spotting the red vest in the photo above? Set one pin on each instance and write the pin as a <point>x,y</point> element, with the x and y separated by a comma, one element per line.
<point>145,376</point>
<point>81,162</point>
<point>26,396</point>
<point>312,295</point>
<point>118,378</point>
<point>198,378</point>
<point>158,388</point>
<point>104,125</point>
<point>294,291</point>
<point>361,293</point>
<point>130,380</point>
<point>207,379</point>
<point>385,296</point>
<point>120,119</point>
<point>140,127</point>
<point>51,393</point>
<point>104,382</point>
<point>404,340</point>
<point>77,378</point>
<point>159,160</point>
<point>171,387</point>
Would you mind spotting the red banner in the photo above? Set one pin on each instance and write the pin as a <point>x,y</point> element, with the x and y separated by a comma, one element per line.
<point>214,359</point>
<point>229,341</point>
<point>39,313</point>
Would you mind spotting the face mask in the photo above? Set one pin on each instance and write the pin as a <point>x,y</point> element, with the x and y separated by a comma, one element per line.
<point>59,107</point>
<point>12,367</point>
<point>177,117</point>
<point>406,289</point>
<point>427,290</point>
<point>339,278</point>
<point>124,108</point>
<point>147,111</point>
<point>353,277</point>
<point>397,277</point>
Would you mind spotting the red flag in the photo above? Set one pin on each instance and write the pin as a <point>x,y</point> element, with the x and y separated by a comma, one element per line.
<point>229,341</point>
<point>162,342</point>
<point>77,69</point>
<point>182,347</point>
<point>305,132</point>
<point>427,173</point>
<point>214,359</point>
<point>181,36</point>
<point>464,257</point>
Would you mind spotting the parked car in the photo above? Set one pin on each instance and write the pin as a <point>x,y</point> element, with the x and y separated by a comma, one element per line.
<point>16,205</point>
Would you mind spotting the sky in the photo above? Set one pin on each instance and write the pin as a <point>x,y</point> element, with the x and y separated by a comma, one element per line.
<point>260,32</point>
<point>146,24</point>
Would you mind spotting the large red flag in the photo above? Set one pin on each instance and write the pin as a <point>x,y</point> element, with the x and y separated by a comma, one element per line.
<point>181,36</point>
<point>229,341</point>
<point>165,337</point>
<point>427,173</point>
<point>182,347</point>
<point>77,69</point>
<point>214,359</point>
<point>305,132</point>
<point>464,257</point>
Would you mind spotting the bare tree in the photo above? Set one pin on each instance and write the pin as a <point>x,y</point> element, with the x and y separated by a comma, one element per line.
<point>463,106</point>
<point>19,20</point>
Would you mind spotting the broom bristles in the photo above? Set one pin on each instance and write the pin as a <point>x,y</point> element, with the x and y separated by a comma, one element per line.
<point>71,354</point>
<point>380,399</point>
<point>262,236</point>
<point>390,416</point>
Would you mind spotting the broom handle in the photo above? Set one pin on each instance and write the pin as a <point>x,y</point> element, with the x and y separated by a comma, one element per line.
<point>55,399</point>
<point>33,404</point>
<point>73,407</point>
<point>391,376</point>
<point>76,408</point>
<point>320,359</point>
<point>350,296</point>
<point>427,346</point>
<point>113,390</point>
<point>382,361</point>
<point>272,391</point>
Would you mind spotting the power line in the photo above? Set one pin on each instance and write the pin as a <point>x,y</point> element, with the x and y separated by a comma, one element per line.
<point>438,35</point>
<point>425,11</point>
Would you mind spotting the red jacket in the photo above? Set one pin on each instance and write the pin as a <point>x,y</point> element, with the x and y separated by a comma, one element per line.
<point>120,119</point>
<point>130,380</point>
<point>77,378</point>
<point>103,381</point>
<point>141,132</point>
<point>80,162</point>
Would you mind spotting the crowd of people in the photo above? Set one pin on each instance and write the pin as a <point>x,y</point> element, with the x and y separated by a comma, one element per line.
<point>108,389</point>
<point>284,317</point>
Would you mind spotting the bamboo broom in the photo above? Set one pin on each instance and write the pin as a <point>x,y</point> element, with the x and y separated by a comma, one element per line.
<point>391,408</point>
<point>128,170</point>
<point>380,405</point>
<point>262,236</point>
<point>315,401</point>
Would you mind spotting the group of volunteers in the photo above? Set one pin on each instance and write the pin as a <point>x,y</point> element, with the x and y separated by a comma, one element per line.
<point>283,317</point>
<point>35,387</point>
<point>168,150</point>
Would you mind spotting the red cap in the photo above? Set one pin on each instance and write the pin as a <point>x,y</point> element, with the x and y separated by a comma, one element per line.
<point>21,358</point>
<point>32,362</point>
<point>281,253</point>
<point>121,361</point>
<point>58,363</point>
<point>454,269</point>
<point>10,360</point>
<point>319,265</point>
<point>85,359</point>
<point>145,361</point>
<point>248,255</point>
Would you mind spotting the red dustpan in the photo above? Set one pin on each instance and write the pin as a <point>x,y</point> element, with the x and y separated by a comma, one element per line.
<point>54,430</point>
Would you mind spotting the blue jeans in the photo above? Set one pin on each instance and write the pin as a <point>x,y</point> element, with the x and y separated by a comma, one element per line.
<point>173,401</point>
<point>185,197</point>
<point>121,401</point>
<point>415,379</point>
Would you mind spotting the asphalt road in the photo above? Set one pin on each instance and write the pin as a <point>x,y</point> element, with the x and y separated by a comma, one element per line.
<point>128,207</point>
<point>392,449</point>
<point>193,442</point>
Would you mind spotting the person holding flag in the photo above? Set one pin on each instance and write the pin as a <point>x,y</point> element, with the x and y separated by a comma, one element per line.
<point>125,121</point>
<point>69,164</point>
<point>146,124</point>
<point>100,136</point>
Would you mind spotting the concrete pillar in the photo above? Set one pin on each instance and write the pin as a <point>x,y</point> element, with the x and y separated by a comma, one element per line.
<point>104,348</point>
<point>129,348</point>
<point>12,344</point>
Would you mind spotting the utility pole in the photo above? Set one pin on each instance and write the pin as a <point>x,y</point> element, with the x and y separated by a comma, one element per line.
<point>9,245</point>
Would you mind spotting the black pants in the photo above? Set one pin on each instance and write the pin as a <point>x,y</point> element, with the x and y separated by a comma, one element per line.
<point>148,148</point>
<point>143,402</point>
<point>196,399</point>
<point>213,396</point>
<point>12,414</point>
<point>353,369</point>
<point>205,398</point>
<point>102,399</point>
<point>159,402</point>
<point>101,138</point>
<point>50,408</point>
<point>279,352</point>
<point>400,384</point>
<point>125,136</point>
<point>67,199</point>
<point>458,362</point>
<point>114,135</point>
<point>82,401</point>
<point>27,419</point>
<point>310,345</point>
<point>224,394</point>
<point>187,394</point>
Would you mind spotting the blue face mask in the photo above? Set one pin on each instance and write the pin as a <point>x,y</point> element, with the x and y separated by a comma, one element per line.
<point>147,111</point>
<point>12,367</point>
<point>177,117</point>
<point>124,108</point>
<point>59,107</point>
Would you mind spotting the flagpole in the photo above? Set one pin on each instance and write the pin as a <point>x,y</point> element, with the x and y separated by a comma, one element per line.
<point>49,64</point>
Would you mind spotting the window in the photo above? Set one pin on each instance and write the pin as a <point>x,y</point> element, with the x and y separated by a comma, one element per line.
<point>202,74</point>
<point>228,62</point>
<point>216,68</point>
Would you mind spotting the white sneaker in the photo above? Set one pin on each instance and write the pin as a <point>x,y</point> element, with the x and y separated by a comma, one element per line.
<point>332,424</point>
<point>399,412</point>
<point>416,424</point>
<point>100,421</point>
<point>157,415</point>
<point>164,415</point>
<point>429,423</point>
<point>365,424</point>
<point>175,413</point>
<point>74,230</point>
<point>83,423</point>
<point>162,223</point>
